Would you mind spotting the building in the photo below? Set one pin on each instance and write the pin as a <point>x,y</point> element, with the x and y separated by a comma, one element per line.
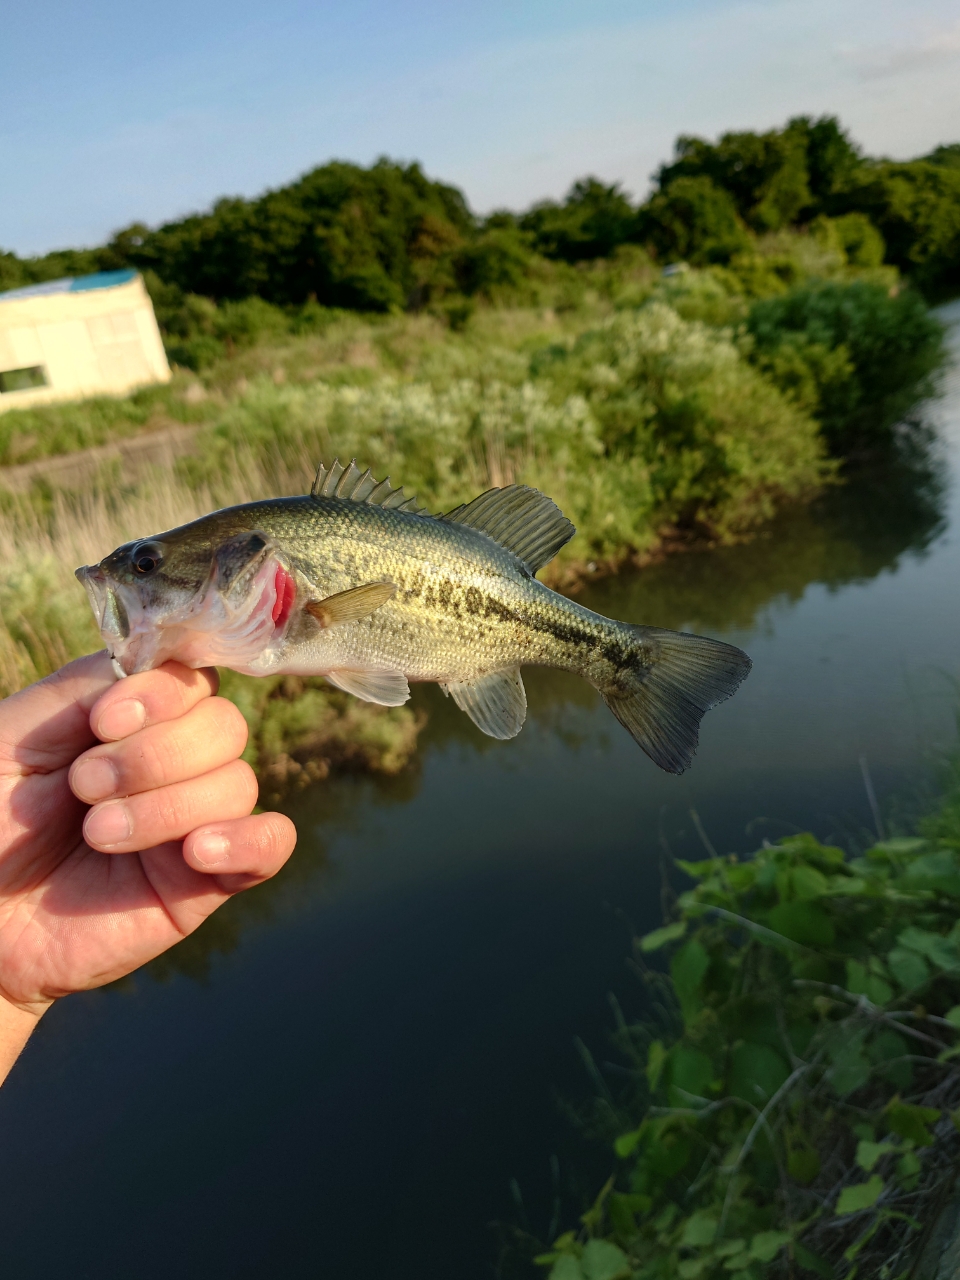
<point>67,339</point>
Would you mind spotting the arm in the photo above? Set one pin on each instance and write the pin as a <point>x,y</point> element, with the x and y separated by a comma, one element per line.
<point>124,822</point>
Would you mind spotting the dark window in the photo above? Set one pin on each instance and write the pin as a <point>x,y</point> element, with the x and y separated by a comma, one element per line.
<point>22,379</point>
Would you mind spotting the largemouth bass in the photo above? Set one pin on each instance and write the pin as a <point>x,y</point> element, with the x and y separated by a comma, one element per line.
<point>356,582</point>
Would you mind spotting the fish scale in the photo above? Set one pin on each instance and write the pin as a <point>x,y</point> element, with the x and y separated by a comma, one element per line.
<point>357,583</point>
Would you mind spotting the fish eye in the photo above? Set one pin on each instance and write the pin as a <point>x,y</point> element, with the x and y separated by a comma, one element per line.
<point>146,558</point>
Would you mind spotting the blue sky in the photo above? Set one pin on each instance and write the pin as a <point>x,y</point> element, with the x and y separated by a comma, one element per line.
<point>112,112</point>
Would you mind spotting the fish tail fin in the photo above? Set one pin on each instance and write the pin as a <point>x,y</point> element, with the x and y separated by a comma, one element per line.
<point>667,683</point>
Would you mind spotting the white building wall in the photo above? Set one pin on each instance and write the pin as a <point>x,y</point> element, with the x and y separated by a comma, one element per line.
<point>101,341</point>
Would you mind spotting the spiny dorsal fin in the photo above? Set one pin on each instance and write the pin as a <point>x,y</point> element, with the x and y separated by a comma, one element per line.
<point>523,520</point>
<point>359,486</point>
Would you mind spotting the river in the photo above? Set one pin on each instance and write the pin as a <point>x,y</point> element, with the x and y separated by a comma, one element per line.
<point>354,1070</point>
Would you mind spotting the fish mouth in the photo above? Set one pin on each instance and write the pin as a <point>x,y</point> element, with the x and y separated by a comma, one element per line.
<point>239,627</point>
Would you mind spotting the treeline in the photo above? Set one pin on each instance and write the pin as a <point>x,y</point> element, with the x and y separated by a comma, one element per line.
<point>387,237</point>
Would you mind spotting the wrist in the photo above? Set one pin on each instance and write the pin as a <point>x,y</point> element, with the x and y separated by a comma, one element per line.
<point>17,1023</point>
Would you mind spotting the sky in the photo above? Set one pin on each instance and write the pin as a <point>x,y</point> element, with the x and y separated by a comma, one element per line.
<point>112,112</point>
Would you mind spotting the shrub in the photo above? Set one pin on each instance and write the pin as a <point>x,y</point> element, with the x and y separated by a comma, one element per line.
<point>693,220</point>
<point>853,354</point>
<point>796,1100</point>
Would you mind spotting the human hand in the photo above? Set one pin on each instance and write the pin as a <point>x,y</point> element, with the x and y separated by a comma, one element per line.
<point>87,894</point>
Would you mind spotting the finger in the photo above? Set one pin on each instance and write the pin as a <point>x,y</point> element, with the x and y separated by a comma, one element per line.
<point>169,813</point>
<point>241,853</point>
<point>47,724</point>
<point>150,698</point>
<point>210,735</point>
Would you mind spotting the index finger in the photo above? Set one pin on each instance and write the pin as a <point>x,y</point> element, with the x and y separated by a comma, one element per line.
<point>151,697</point>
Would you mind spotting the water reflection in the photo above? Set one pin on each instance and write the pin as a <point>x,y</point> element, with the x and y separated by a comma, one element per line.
<point>894,508</point>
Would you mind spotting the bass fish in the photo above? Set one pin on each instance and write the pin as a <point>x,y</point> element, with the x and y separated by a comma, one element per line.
<point>358,583</point>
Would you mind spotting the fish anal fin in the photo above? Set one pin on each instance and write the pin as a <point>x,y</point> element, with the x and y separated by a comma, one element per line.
<point>523,520</point>
<point>383,685</point>
<point>496,703</point>
<point>348,606</point>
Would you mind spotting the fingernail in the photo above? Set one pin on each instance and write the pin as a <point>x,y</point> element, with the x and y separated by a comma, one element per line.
<point>120,719</point>
<point>95,778</point>
<point>108,825</point>
<point>210,849</point>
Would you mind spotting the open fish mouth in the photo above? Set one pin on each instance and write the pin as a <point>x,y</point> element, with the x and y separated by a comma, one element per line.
<point>215,627</point>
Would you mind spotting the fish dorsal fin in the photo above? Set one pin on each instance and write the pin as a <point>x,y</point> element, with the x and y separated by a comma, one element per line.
<point>496,703</point>
<point>523,520</point>
<point>359,486</point>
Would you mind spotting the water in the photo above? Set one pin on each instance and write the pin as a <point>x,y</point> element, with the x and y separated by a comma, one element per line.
<point>340,1075</point>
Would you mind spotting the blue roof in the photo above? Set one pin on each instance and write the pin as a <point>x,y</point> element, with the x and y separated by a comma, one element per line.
<point>71,284</point>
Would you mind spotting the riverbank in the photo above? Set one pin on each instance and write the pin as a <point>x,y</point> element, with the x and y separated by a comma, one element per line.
<point>660,413</point>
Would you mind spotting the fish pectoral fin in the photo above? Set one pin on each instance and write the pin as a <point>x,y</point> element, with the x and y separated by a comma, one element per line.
<point>383,685</point>
<point>348,606</point>
<point>496,703</point>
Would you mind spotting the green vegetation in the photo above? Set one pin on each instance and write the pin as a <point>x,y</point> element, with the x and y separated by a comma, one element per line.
<point>794,1106</point>
<point>388,237</point>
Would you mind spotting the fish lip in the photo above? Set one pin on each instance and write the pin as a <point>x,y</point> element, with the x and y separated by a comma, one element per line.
<point>94,582</point>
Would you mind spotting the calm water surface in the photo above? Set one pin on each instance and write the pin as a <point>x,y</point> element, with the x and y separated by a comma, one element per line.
<point>342,1073</point>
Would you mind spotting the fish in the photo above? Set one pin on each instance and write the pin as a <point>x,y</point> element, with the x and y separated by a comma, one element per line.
<point>360,584</point>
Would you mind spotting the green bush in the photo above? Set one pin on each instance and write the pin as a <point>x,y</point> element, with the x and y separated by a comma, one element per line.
<point>692,220</point>
<point>854,355</point>
<point>794,1102</point>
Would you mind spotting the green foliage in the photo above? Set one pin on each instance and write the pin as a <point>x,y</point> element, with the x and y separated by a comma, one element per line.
<point>800,1059</point>
<point>692,219</point>
<point>916,207</point>
<point>773,178</point>
<point>592,221</point>
<point>851,354</point>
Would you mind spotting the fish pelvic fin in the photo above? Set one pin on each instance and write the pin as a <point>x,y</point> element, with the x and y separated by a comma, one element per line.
<point>348,606</point>
<point>523,520</point>
<point>670,681</point>
<point>382,685</point>
<point>496,703</point>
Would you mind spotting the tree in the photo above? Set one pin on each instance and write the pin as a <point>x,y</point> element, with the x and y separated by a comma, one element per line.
<point>693,220</point>
<point>592,221</point>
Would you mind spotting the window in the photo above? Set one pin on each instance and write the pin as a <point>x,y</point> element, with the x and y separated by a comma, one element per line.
<point>22,379</point>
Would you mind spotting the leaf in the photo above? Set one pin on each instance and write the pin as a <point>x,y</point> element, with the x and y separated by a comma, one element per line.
<point>861,982</point>
<point>850,1068</point>
<point>802,922</point>
<point>602,1260</point>
<point>656,1061</point>
<point>727,1247</point>
<point>812,1261</point>
<point>567,1268</point>
<point>953,1016</point>
<point>690,1070</point>
<point>660,937</point>
<point>861,1196</point>
<point>700,1229</point>
<point>803,1165</point>
<point>937,950</point>
<point>687,969</point>
<point>908,968</point>
<point>868,1153</point>
<point>765,1245</point>
<point>690,1268</point>
<point>756,1072</point>
<point>911,1122</point>
<point>807,883</point>
<point>626,1144</point>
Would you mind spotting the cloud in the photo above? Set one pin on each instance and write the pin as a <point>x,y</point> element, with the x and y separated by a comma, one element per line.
<point>880,63</point>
